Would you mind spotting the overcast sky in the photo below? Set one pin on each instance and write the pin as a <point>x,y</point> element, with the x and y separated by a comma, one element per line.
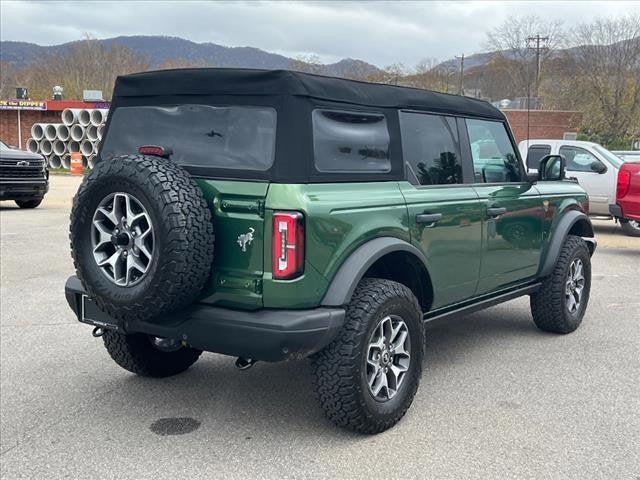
<point>378,32</point>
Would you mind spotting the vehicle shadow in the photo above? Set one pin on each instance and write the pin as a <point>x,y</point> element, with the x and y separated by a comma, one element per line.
<point>278,398</point>
<point>609,227</point>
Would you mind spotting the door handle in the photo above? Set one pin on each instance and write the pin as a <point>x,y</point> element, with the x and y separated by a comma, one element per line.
<point>428,217</point>
<point>496,211</point>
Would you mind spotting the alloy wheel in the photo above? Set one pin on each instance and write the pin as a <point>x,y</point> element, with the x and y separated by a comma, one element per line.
<point>388,357</point>
<point>574,285</point>
<point>122,239</point>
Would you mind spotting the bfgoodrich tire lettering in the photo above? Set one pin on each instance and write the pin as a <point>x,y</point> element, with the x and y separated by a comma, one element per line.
<point>339,371</point>
<point>551,306</point>
<point>183,236</point>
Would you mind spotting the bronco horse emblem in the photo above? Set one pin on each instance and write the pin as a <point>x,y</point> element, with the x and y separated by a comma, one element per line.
<point>246,239</point>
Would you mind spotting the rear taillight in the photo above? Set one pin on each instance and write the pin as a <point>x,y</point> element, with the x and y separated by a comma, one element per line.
<point>624,181</point>
<point>287,245</point>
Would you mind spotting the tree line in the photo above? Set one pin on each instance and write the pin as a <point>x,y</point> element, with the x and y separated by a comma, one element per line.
<point>593,68</point>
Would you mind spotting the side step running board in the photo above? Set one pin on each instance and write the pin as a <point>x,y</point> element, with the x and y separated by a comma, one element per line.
<point>481,304</point>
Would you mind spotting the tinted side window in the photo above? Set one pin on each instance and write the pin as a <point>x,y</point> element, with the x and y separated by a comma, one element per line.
<point>350,142</point>
<point>537,153</point>
<point>578,159</point>
<point>431,148</point>
<point>494,159</point>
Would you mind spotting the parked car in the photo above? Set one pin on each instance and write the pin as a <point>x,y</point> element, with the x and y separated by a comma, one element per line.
<point>345,214</point>
<point>613,183</point>
<point>24,176</point>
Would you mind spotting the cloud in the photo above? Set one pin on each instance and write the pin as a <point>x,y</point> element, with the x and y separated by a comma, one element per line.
<point>377,32</point>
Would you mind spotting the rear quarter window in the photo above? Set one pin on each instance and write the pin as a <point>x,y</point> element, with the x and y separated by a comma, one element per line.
<point>233,137</point>
<point>350,142</point>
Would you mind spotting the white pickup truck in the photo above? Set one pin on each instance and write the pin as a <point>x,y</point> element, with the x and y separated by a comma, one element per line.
<point>598,171</point>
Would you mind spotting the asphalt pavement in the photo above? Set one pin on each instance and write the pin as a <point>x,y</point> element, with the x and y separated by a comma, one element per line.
<point>498,398</point>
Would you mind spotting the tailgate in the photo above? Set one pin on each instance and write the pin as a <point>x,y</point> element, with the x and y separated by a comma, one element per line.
<point>630,202</point>
<point>238,226</point>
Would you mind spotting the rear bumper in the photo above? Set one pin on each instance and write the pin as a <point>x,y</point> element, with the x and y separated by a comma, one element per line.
<point>617,211</point>
<point>11,190</point>
<point>270,335</point>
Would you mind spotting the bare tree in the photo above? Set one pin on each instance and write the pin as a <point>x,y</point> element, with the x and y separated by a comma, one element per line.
<point>426,65</point>
<point>171,63</point>
<point>392,74</point>
<point>511,42</point>
<point>430,74</point>
<point>606,71</point>
<point>86,65</point>
<point>307,64</point>
<point>7,80</point>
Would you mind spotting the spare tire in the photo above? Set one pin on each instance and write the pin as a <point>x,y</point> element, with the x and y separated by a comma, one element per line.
<point>141,237</point>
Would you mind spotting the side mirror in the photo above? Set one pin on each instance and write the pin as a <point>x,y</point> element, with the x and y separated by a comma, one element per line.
<point>552,167</point>
<point>598,167</point>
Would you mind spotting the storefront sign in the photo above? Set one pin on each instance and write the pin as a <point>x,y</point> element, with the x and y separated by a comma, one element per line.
<point>22,105</point>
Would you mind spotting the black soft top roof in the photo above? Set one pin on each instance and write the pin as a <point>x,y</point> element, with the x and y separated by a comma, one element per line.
<point>229,81</point>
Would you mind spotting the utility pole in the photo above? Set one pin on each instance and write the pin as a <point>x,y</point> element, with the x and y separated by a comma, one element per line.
<point>538,44</point>
<point>461,79</point>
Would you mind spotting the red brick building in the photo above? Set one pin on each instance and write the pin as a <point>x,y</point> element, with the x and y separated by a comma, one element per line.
<point>17,116</point>
<point>551,124</point>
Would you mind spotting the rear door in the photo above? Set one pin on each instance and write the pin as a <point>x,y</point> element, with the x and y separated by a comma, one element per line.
<point>512,207</point>
<point>445,215</point>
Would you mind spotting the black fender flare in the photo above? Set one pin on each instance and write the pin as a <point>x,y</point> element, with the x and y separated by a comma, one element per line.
<point>568,220</point>
<point>356,265</point>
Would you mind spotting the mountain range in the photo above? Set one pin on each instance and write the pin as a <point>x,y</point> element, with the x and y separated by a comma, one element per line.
<point>159,49</point>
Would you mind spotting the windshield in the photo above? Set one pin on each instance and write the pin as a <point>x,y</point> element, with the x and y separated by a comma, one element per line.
<point>231,137</point>
<point>613,159</point>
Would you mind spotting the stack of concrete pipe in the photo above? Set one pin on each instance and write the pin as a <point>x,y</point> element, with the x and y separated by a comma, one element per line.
<point>80,131</point>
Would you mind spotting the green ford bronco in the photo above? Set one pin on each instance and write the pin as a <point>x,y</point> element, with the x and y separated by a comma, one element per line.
<point>273,215</point>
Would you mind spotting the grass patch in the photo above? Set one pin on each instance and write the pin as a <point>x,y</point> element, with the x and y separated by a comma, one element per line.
<point>63,171</point>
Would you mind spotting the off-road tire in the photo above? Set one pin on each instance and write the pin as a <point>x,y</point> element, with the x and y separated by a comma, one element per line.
<point>137,354</point>
<point>630,228</point>
<point>31,203</point>
<point>183,232</point>
<point>548,305</point>
<point>338,371</point>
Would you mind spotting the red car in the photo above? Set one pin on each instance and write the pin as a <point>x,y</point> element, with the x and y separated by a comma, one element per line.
<point>627,204</point>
